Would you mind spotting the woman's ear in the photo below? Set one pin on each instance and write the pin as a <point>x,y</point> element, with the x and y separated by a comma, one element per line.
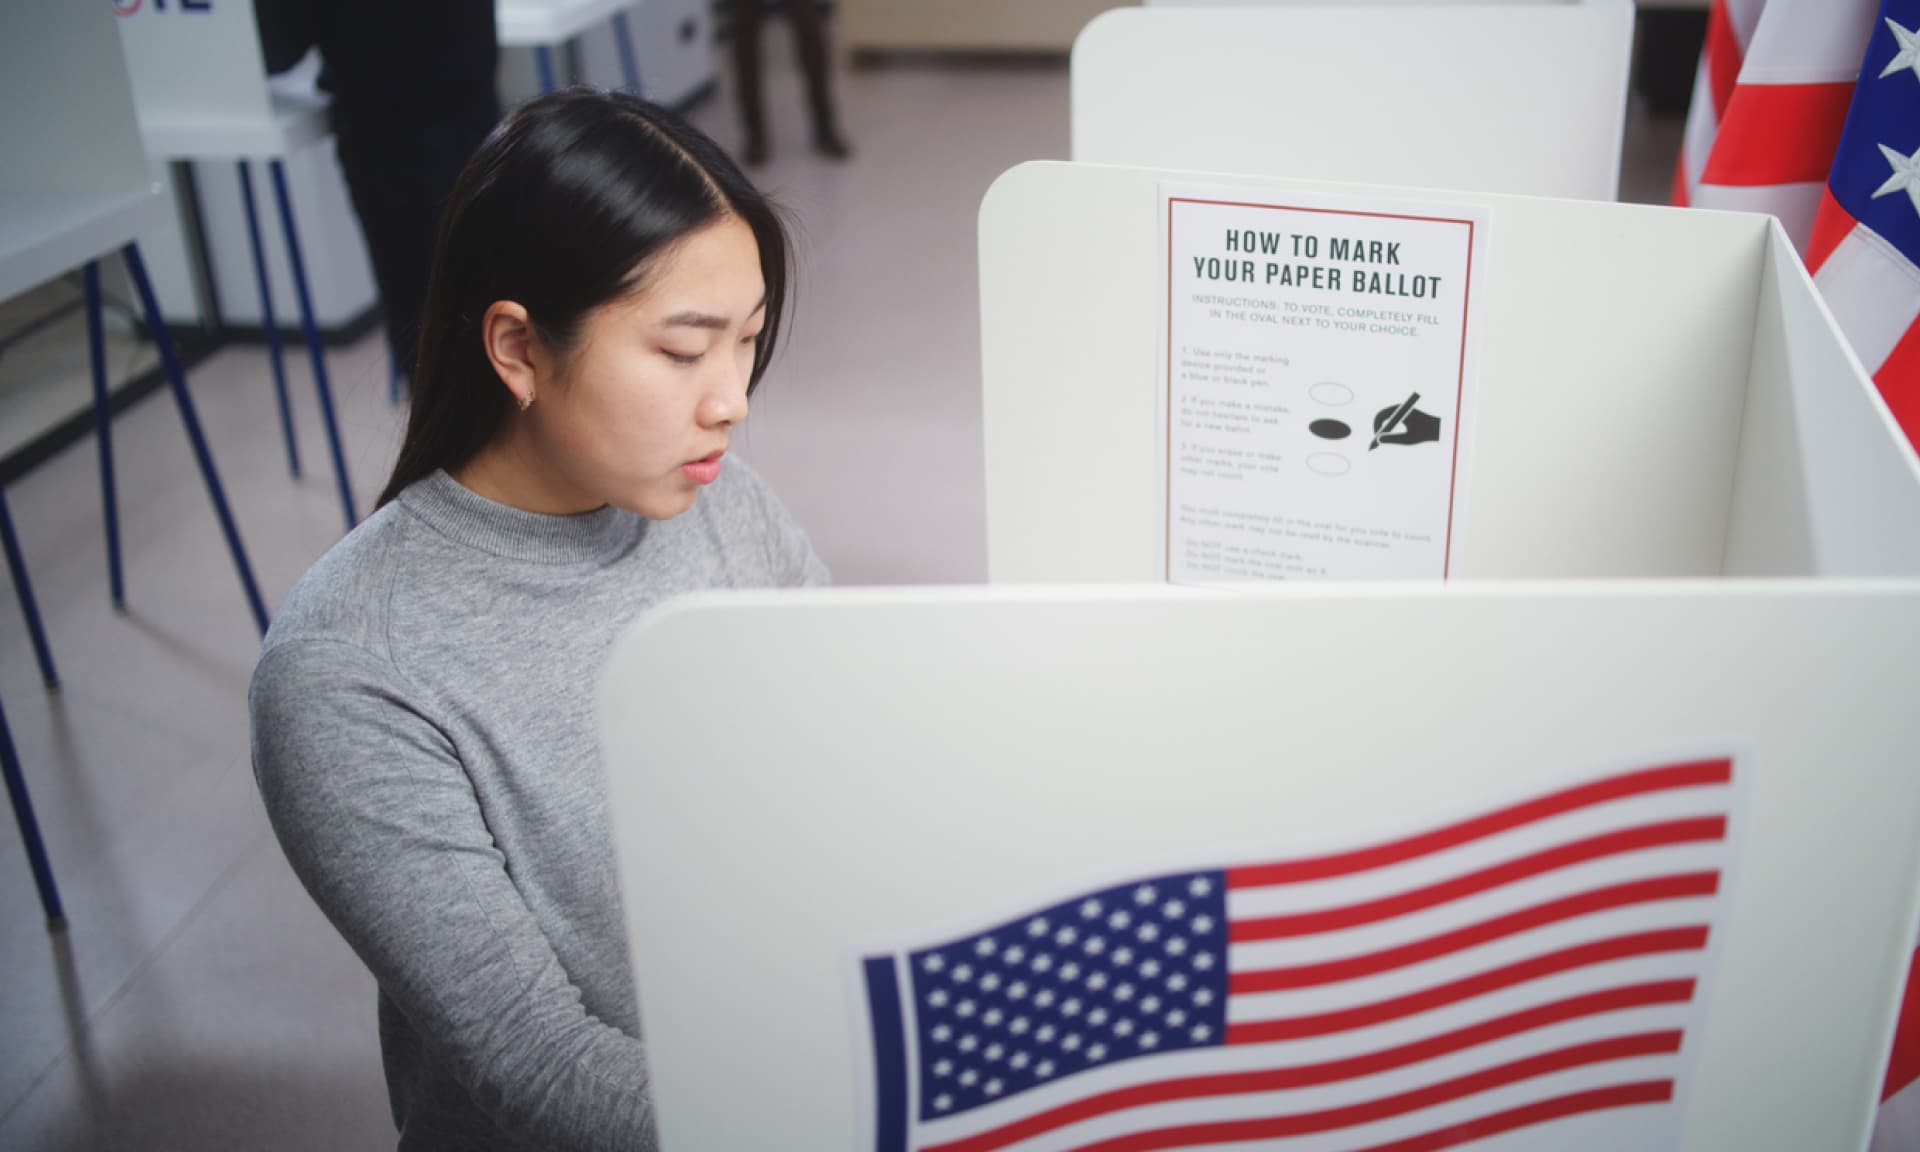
<point>513,348</point>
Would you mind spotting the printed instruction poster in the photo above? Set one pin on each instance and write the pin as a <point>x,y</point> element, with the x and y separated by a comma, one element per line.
<point>1317,386</point>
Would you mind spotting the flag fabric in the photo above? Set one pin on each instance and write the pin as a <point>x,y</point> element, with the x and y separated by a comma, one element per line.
<point>1769,102</point>
<point>1540,963</point>
<point>1864,251</point>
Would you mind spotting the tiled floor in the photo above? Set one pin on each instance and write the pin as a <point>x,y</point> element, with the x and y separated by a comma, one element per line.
<point>198,1000</point>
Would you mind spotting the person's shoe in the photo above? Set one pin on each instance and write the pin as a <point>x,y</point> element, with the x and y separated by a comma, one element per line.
<point>832,145</point>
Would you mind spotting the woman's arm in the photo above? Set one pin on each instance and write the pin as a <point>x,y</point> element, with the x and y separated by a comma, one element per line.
<point>381,824</point>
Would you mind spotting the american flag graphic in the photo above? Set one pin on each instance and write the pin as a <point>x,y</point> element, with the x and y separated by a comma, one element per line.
<point>1528,968</point>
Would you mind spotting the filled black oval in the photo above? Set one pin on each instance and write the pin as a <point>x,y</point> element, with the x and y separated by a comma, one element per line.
<point>1330,429</point>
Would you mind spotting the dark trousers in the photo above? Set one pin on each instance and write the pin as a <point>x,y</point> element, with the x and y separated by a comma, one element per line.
<point>812,41</point>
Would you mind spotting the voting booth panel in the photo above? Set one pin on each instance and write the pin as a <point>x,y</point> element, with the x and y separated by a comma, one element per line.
<point>964,758</point>
<point>1516,98</point>
<point>77,184</point>
<point>1661,393</point>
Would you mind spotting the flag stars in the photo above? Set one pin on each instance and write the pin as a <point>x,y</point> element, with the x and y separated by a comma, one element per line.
<point>1044,998</point>
<point>1905,178</point>
<point>1071,1042</point>
<point>969,1078</point>
<point>1203,961</point>
<point>1123,993</point>
<point>943,1068</point>
<point>993,1017</point>
<point>1020,1026</point>
<point>1095,946</point>
<point>1119,919</point>
<point>989,982</point>
<point>1202,925</point>
<point>1203,997</point>
<point>1097,981</point>
<point>1149,968</point>
<point>1149,1040</point>
<point>1175,982</point>
<point>1150,1004</point>
<point>1089,909</point>
<point>1037,926</point>
<point>1097,1017</point>
<point>986,947</point>
<point>965,1009</point>
<point>1199,886</point>
<point>1071,1007</point>
<point>1017,990</point>
<point>941,1033</point>
<point>1043,1069</point>
<point>1908,57</point>
<point>943,1102</point>
<point>1097,1052</point>
<point>962,973</point>
<point>1177,946</point>
<point>1176,1018</point>
<point>1019,1061</point>
<point>1046,1033</point>
<point>1200,1033</point>
<point>938,997</point>
<point>995,1051</point>
<point>1173,909</point>
<point>1123,955</point>
<point>934,963</point>
<point>1065,936</point>
<point>969,1042</point>
<point>1014,955</point>
<point>1144,895</point>
<point>1069,971</point>
<point>1148,933</point>
<point>995,1087</point>
<point>1123,1028</point>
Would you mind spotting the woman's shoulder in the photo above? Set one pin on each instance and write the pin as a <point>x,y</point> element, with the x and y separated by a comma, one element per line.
<point>344,596</point>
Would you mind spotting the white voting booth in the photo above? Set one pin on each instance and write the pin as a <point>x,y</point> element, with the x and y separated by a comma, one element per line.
<point>1500,97</point>
<point>1663,395</point>
<point>818,796</point>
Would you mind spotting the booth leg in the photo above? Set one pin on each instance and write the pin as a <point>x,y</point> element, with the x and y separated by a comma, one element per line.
<point>103,435</point>
<point>623,40</point>
<point>177,380</point>
<point>267,321</point>
<point>314,352</point>
<point>543,60</point>
<point>17,564</point>
<point>30,830</point>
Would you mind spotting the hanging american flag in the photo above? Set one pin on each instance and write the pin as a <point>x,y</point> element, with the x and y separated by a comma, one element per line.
<point>1864,252</point>
<point>1536,967</point>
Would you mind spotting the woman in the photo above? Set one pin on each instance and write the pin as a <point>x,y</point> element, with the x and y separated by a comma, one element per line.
<point>606,292</point>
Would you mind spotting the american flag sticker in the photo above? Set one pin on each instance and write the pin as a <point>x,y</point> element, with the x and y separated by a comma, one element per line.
<point>1533,976</point>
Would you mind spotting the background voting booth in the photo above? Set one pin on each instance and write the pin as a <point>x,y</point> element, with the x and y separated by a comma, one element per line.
<point>836,908</point>
<point>1251,89</point>
<point>201,88</point>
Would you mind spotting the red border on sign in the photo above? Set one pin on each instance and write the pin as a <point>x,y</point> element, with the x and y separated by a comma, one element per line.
<point>1460,381</point>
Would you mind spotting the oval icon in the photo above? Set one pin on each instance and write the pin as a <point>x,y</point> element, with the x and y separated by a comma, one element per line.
<point>1329,464</point>
<point>1330,429</point>
<point>1331,394</point>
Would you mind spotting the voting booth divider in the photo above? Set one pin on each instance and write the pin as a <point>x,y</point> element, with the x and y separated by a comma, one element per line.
<point>1525,98</point>
<point>988,868</point>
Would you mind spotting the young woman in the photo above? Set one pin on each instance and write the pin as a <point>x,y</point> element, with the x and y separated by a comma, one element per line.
<point>606,292</point>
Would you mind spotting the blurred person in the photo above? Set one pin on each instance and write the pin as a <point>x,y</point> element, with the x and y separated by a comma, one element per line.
<point>607,290</point>
<point>810,41</point>
<point>412,86</point>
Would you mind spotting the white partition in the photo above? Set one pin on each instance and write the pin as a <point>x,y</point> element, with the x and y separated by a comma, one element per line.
<point>801,780</point>
<point>1520,98</point>
<point>1662,393</point>
<point>75,182</point>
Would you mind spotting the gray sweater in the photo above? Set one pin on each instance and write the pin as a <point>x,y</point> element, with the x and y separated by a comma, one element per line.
<point>425,742</point>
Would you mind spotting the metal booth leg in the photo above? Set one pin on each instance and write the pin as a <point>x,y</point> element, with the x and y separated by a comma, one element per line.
<point>177,379</point>
<point>17,564</point>
<point>629,68</point>
<point>543,60</point>
<point>314,352</point>
<point>103,434</point>
<point>267,322</point>
<point>30,830</point>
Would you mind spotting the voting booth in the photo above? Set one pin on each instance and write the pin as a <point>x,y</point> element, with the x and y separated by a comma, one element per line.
<point>870,842</point>
<point>1662,393</point>
<point>1525,98</point>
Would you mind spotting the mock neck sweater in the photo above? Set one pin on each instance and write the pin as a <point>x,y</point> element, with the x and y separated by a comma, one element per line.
<point>425,741</point>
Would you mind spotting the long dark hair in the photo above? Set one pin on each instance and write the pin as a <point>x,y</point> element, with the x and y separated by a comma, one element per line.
<point>561,210</point>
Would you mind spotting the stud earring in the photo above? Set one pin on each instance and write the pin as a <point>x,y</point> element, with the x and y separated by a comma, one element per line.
<point>526,401</point>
